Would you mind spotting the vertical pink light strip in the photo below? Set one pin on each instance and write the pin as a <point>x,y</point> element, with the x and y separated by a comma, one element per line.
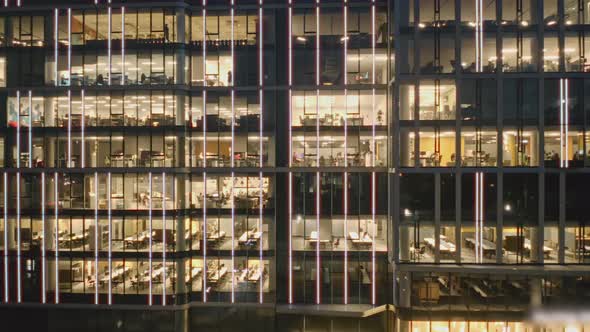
<point>561,138</point>
<point>18,129</point>
<point>290,238</point>
<point>164,239</point>
<point>317,245</point>
<point>345,41</point>
<point>82,125</point>
<point>477,245</point>
<point>481,209</point>
<point>150,241</point>
<point>317,45</point>
<point>30,129</point>
<point>290,196</point>
<point>69,160</point>
<point>5,237</point>
<point>481,20</point>
<point>373,182</point>
<point>233,236</point>
<point>18,225</point>
<point>233,110</point>
<point>204,237</point>
<point>56,206</point>
<point>290,78</point>
<point>345,191</point>
<point>96,235</point>
<point>110,225</point>
<point>564,122</point>
<point>317,82</point>
<point>260,153</point>
<point>479,213</point>
<point>18,241</point>
<point>109,44</point>
<point>56,47</point>
<point>18,156</point>
<point>232,161</point>
<point>477,50</point>
<point>204,45</point>
<point>122,45</point>
<point>43,239</point>
<point>70,48</point>
<point>204,152</point>
<point>566,118</point>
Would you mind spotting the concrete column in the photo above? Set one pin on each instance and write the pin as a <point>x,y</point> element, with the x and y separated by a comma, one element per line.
<point>404,243</point>
<point>181,321</point>
<point>49,236</point>
<point>48,233</point>
<point>562,215</point>
<point>181,317</point>
<point>11,232</point>
<point>536,294</point>
<point>535,246</point>
<point>534,153</point>
<point>437,199</point>
<point>9,33</point>
<point>180,26</point>
<point>458,225</point>
<point>500,217</point>
<point>181,78</point>
<point>403,325</point>
<point>92,188</point>
<point>181,141</point>
<point>50,152</point>
<point>180,75</point>
<point>181,39</point>
<point>405,148</point>
<point>541,214</point>
<point>93,153</point>
<point>405,289</point>
<point>180,234</point>
<point>50,277</point>
<point>180,111</point>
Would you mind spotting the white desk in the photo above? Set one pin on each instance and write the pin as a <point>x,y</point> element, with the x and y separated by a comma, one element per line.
<point>546,250</point>
<point>216,275</point>
<point>356,239</point>
<point>445,246</point>
<point>313,238</point>
<point>249,236</point>
<point>195,271</point>
<point>488,247</point>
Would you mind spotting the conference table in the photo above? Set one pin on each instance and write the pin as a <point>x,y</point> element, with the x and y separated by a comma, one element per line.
<point>445,246</point>
<point>145,279</point>
<point>313,239</point>
<point>118,272</point>
<point>252,274</point>
<point>546,250</point>
<point>195,271</point>
<point>364,240</point>
<point>249,237</point>
<point>215,236</point>
<point>216,275</point>
<point>488,247</point>
<point>142,238</point>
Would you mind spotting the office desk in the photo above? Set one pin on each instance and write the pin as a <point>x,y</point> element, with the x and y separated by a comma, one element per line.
<point>488,247</point>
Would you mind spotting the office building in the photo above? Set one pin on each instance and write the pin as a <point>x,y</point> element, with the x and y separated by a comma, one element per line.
<point>338,165</point>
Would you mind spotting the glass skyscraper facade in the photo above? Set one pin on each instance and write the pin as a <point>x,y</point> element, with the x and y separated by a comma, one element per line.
<point>296,165</point>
